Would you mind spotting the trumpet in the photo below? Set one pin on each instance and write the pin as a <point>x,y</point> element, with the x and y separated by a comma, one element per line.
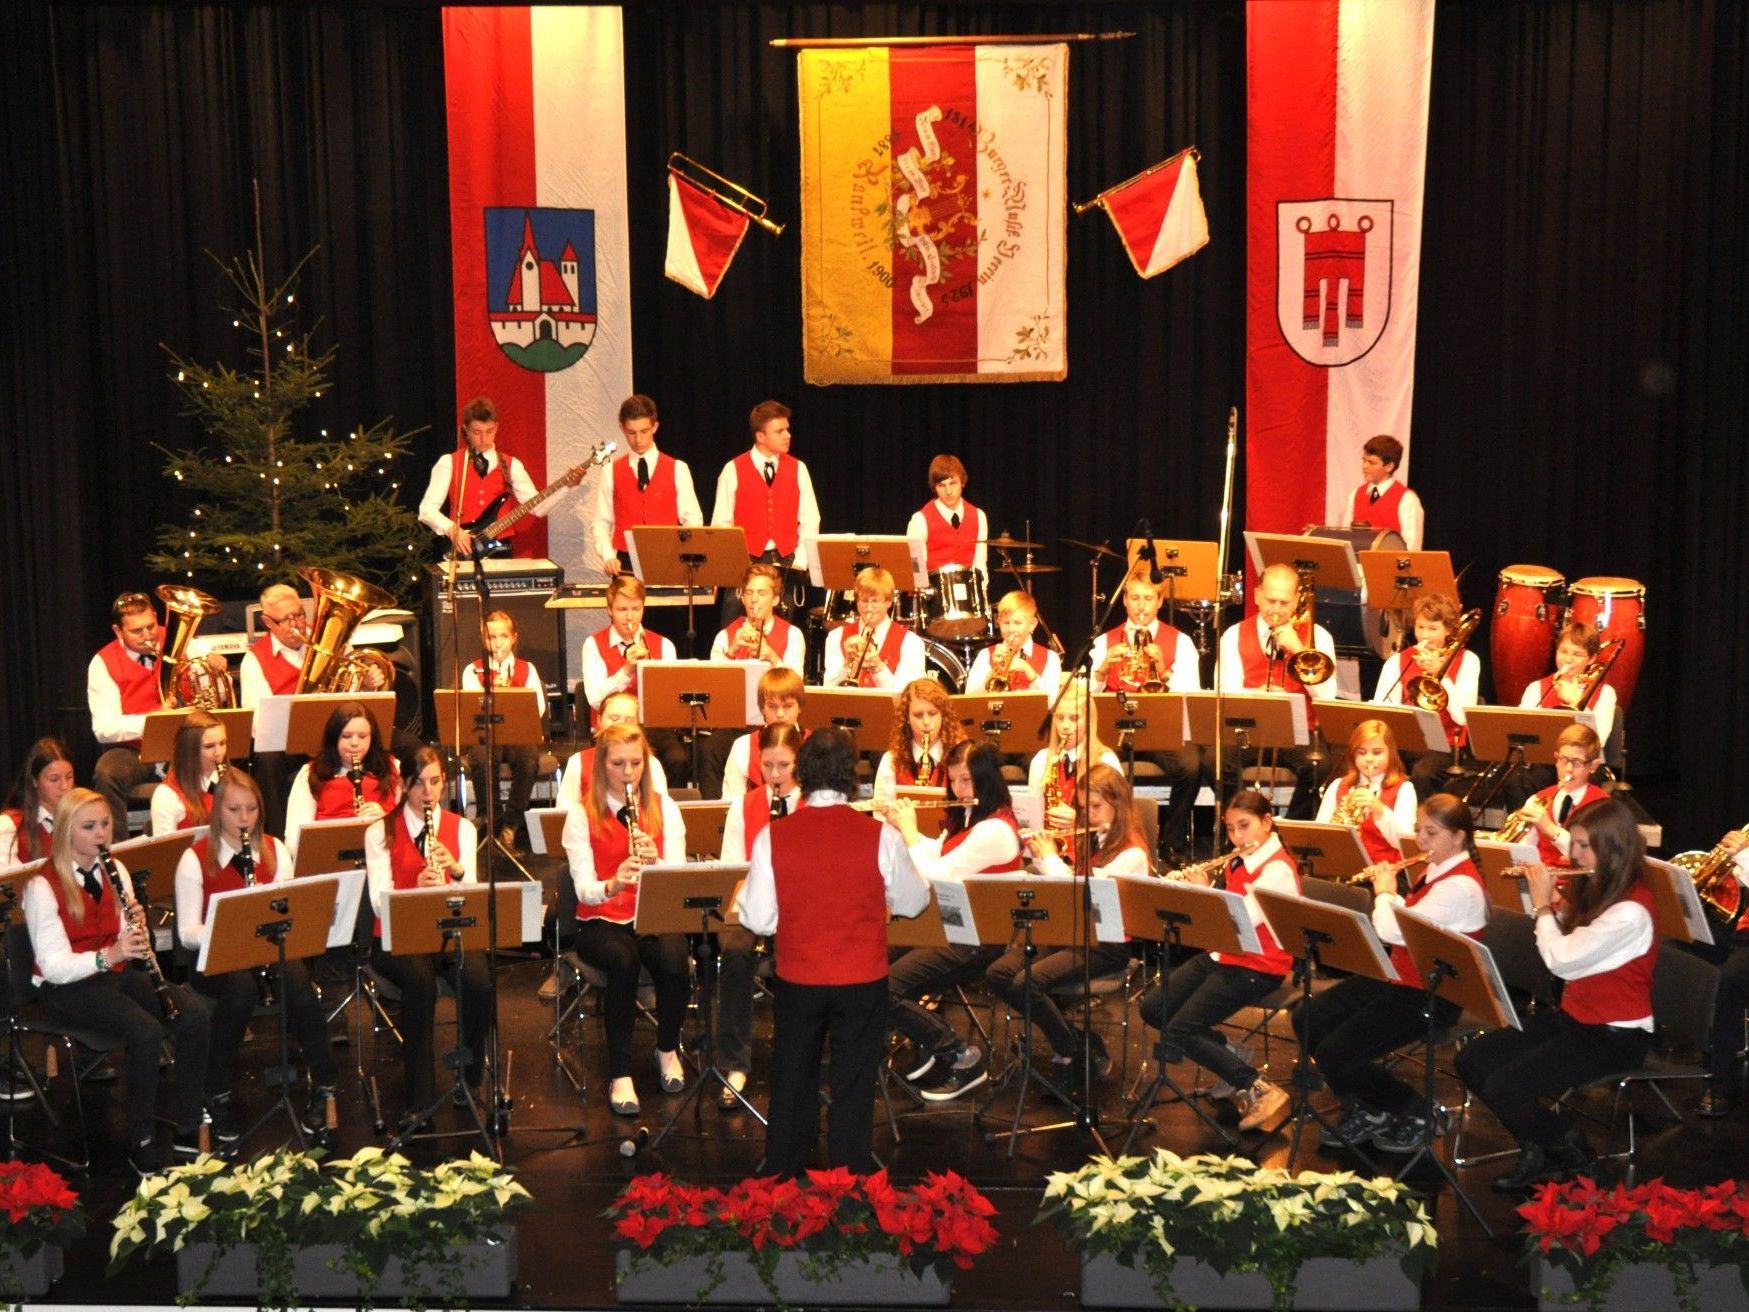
<point>1138,668</point>
<point>1391,867</point>
<point>1427,690</point>
<point>638,651</point>
<point>135,916</point>
<point>1518,824</point>
<point>1002,666</point>
<point>1309,665</point>
<point>852,677</point>
<point>749,639</point>
<point>1208,868</point>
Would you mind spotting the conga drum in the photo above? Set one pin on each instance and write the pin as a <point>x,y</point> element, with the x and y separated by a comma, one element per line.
<point>1527,617</point>
<point>1616,608</point>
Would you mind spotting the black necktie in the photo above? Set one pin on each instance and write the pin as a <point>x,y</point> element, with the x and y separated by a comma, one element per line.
<point>1374,494</point>
<point>1235,866</point>
<point>770,472</point>
<point>625,816</point>
<point>625,648</point>
<point>145,660</point>
<point>93,883</point>
<point>1563,809</point>
<point>643,473</point>
<point>479,461</point>
<point>779,807</point>
<point>954,519</point>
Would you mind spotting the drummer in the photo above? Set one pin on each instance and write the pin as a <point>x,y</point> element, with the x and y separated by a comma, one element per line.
<point>1382,500</point>
<point>950,531</point>
<point>873,650</point>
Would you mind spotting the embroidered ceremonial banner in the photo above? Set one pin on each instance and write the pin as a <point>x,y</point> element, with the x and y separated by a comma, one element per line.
<point>1337,148</point>
<point>1159,215</point>
<point>537,206</point>
<point>933,214</point>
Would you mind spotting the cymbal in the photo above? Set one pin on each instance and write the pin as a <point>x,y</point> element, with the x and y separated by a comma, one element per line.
<point>1098,549</point>
<point>1029,568</point>
<point>1006,543</point>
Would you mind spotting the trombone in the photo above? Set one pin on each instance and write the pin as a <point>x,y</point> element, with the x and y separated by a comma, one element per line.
<point>1427,690</point>
<point>754,207</point>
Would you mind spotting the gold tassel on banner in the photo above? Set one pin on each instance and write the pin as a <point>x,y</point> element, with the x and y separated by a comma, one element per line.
<point>754,207</point>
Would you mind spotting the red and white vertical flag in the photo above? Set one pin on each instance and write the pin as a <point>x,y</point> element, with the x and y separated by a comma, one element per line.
<point>537,204</point>
<point>1337,150</point>
<point>704,233</point>
<point>1158,214</point>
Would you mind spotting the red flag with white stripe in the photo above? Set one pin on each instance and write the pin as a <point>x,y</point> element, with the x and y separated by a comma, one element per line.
<point>703,236</point>
<point>1336,157</point>
<point>1159,215</point>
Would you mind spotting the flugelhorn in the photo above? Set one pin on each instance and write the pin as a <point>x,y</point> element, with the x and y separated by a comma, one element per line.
<point>1002,667</point>
<point>1138,669</point>
<point>1518,824</point>
<point>329,664</point>
<point>1427,690</point>
<point>183,681</point>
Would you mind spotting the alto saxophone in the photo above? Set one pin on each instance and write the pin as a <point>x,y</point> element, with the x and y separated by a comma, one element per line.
<point>135,916</point>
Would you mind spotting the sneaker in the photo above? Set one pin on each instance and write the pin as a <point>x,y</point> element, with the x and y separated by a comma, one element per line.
<point>737,1083</point>
<point>1402,1136</point>
<point>1355,1129</point>
<point>671,1070</point>
<point>924,1063</point>
<point>1241,1052</point>
<point>145,1156</point>
<point>959,1078</point>
<point>223,1117</point>
<point>622,1096</point>
<point>1262,1107</point>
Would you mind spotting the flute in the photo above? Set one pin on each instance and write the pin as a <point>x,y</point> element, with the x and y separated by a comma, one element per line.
<point>917,804</point>
<point>1391,867</point>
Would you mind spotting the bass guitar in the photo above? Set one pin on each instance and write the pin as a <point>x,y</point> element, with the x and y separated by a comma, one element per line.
<point>489,527</point>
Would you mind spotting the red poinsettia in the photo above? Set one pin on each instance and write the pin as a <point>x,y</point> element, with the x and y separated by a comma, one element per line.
<point>38,1205</point>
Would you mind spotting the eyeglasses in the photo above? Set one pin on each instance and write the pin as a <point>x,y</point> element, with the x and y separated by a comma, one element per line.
<point>1573,760</point>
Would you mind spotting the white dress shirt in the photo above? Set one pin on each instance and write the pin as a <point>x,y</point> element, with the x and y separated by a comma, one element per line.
<point>1398,820</point>
<point>794,653</point>
<point>1232,669</point>
<point>522,488</point>
<point>1048,681</point>
<point>191,891</point>
<point>911,658</point>
<point>1618,935</point>
<point>1186,665</point>
<point>807,508</point>
<point>917,532</point>
<point>379,866</point>
<point>590,883</point>
<point>756,903</point>
<point>54,954</point>
<point>503,675</point>
<point>601,522</point>
<point>1462,684</point>
<point>1457,903</point>
<point>990,842</point>
<point>735,824</point>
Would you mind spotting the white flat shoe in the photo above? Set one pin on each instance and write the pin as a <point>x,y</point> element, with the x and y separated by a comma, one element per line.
<point>622,1096</point>
<point>672,1071</point>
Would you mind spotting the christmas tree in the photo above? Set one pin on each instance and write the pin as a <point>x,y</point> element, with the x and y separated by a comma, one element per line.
<point>262,500</point>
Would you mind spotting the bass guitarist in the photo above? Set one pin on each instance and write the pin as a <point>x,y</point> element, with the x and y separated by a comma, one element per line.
<point>477,484</point>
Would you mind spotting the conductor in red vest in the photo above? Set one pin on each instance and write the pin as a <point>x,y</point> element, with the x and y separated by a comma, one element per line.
<point>824,881</point>
<point>1383,501</point>
<point>466,482</point>
<point>768,493</point>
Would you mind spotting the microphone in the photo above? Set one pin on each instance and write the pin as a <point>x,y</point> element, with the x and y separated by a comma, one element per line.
<point>1146,552</point>
<point>629,1147</point>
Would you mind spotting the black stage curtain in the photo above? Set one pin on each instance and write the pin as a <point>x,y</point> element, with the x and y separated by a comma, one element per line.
<point>1581,356</point>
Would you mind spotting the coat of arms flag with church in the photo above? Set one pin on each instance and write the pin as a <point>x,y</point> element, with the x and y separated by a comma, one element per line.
<point>540,284</point>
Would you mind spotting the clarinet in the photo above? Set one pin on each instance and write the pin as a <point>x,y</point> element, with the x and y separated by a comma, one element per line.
<point>777,810</point>
<point>246,859</point>
<point>136,917</point>
<point>355,776</point>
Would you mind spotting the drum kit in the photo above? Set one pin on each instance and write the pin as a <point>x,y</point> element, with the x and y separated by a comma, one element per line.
<point>1533,603</point>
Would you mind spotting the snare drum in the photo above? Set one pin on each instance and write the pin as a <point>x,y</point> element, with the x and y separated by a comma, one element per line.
<point>943,664</point>
<point>1527,617</point>
<point>1616,608</point>
<point>956,606</point>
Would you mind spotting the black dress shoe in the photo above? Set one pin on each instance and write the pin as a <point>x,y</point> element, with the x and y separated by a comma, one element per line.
<point>1572,1156</point>
<point>1531,1169</point>
<point>1718,1101</point>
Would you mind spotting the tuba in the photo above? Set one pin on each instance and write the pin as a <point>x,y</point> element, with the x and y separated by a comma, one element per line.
<point>341,602</point>
<point>1310,666</point>
<point>181,680</point>
<point>1425,690</point>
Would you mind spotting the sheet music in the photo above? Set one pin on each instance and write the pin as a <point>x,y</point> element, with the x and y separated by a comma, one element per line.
<point>537,834</point>
<point>956,912</point>
<point>1107,909</point>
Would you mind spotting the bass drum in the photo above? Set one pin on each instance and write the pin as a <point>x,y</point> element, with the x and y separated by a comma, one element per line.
<point>943,664</point>
<point>1357,628</point>
<point>1521,639</point>
<point>1616,608</point>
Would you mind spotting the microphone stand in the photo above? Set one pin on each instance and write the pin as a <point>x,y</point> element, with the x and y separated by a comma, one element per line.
<point>1226,517</point>
<point>497,1119</point>
<point>1081,654</point>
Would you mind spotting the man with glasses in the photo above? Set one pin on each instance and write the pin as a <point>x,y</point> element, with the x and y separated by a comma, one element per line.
<point>121,687</point>
<point>270,668</point>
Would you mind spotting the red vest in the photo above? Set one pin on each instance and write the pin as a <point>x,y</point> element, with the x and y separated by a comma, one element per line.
<point>1272,960</point>
<point>1378,847</point>
<point>406,861</point>
<point>31,841</point>
<point>756,814</point>
<point>1407,668</point>
<point>613,659</point>
<point>467,503</point>
<point>905,770</point>
<point>281,674</point>
<point>658,503</point>
<point>947,545</point>
<point>222,879</point>
<point>102,919</point>
<point>1383,512</point>
<point>519,672</point>
<point>187,806</point>
<point>138,686</point>
<point>777,635</point>
<point>1407,975</point>
<point>585,771</point>
<point>1165,637</point>
<point>831,898</point>
<point>1254,661</point>
<point>1007,867</point>
<point>334,798</point>
<point>612,843</point>
<point>1024,670</point>
<point>1622,994</point>
<point>890,648</point>
<point>768,514</point>
<point>1546,851</point>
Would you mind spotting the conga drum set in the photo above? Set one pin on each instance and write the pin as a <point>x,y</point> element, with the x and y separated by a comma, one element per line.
<point>1533,603</point>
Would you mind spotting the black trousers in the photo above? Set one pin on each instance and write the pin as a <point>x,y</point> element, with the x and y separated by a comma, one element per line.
<point>1007,975</point>
<point>853,1019</point>
<point>1730,953</point>
<point>124,1006</point>
<point>117,773</point>
<point>1182,771</point>
<point>930,970</point>
<point>524,763</point>
<point>1304,803</point>
<point>737,963</point>
<point>1199,995</point>
<point>1512,1071</point>
<point>1362,1019</point>
<point>416,977</point>
<point>233,997</point>
<point>618,951</point>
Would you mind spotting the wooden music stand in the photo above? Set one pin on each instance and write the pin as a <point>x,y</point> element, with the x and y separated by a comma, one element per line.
<point>993,714</point>
<point>1676,904</point>
<point>680,694</point>
<point>668,555</point>
<point>1188,569</point>
<point>704,828</point>
<point>1324,851</point>
<point>517,718</point>
<point>326,847</point>
<point>1324,562</point>
<point>147,857</point>
<point>427,920</point>
<point>1250,721</point>
<point>866,714</point>
<point>546,830</point>
<point>988,909</point>
<point>1415,730</point>
<point>839,557</point>
<point>1507,892</point>
<point>293,722</point>
<point>1404,577</point>
<point>1497,732</point>
<point>923,930</point>
<point>1154,721</point>
<point>158,738</point>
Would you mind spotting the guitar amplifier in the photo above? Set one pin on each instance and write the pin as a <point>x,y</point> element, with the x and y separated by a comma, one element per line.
<point>519,587</point>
